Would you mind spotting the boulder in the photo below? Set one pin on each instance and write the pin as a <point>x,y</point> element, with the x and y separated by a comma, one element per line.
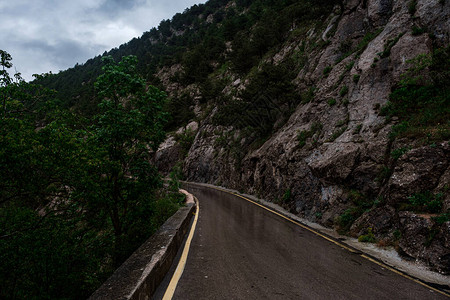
<point>167,155</point>
<point>336,163</point>
<point>380,219</point>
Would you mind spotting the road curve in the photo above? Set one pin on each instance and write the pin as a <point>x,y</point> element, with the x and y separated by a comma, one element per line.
<point>242,251</point>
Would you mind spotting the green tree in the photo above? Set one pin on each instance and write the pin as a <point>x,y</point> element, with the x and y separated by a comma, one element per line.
<point>76,199</point>
<point>128,128</point>
<point>45,244</point>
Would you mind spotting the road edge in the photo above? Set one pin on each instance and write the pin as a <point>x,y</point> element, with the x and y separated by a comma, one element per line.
<point>170,290</point>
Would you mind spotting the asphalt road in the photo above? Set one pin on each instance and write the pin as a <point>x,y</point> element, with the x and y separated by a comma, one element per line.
<point>242,251</point>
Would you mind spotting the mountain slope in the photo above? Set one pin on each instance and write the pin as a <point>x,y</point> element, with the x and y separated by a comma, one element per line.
<point>339,160</point>
<point>336,110</point>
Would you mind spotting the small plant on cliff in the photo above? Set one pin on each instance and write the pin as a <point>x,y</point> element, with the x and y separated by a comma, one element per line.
<point>442,218</point>
<point>327,70</point>
<point>367,39</point>
<point>345,50</point>
<point>344,221</point>
<point>286,196</point>
<point>344,121</point>
<point>308,96</point>
<point>426,202</point>
<point>432,232</point>
<point>357,129</point>
<point>185,139</point>
<point>388,46</point>
<point>331,102</point>
<point>360,204</point>
<point>412,7</point>
<point>303,135</point>
<point>367,238</point>
<point>336,134</point>
<point>384,174</point>
<point>418,30</point>
<point>397,153</point>
<point>343,91</point>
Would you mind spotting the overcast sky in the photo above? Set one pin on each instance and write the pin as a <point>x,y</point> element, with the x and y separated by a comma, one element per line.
<point>53,35</point>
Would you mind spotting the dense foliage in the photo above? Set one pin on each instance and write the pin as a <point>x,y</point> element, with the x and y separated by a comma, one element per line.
<point>269,96</point>
<point>77,196</point>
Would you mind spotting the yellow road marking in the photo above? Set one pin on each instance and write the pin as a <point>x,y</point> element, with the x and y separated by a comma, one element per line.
<point>336,242</point>
<point>182,263</point>
<point>404,275</point>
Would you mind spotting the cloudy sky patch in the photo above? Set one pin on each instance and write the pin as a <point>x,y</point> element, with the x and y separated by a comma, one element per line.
<point>53,35</point>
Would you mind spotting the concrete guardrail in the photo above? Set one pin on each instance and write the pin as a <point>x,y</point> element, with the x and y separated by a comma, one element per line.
<point>140,275</point>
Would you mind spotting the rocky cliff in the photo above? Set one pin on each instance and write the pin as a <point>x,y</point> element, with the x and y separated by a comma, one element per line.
<point>332,156</point>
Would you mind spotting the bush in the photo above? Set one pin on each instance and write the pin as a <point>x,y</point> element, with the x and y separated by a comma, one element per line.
<point>357,129</point>
<point>388,46</point>
<point>397,153</point>
<point>180,112</point>
<point>367,238</point>
<point>336,134</point>
<point>360,204</point>
<point>345,220</point>
<point>302,136</point>
<point>327,70</point>
<point>308,96</point>
<point>286,196</point>
<point>343,91</point>
<point>426,202</point>
<point>412,7</point>
<point>269,97</point>
<point>384,174</point>
<point>441,219</point>
<point>418,30</point>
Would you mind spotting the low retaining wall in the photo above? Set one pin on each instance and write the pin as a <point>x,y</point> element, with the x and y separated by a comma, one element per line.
<point>140,275</point>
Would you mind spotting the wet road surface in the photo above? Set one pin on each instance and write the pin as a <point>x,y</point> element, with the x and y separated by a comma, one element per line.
<point>242,251</point>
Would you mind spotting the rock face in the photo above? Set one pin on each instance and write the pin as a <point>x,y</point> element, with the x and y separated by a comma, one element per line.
<point>423,240</point>
<point>167,155</point>
<point>350,148</point>
<point>419,170</point>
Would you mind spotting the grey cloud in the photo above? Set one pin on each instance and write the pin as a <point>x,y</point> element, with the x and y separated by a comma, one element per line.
<point>53,35</point>
<point>117,7</point>
<point>61,53</point>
